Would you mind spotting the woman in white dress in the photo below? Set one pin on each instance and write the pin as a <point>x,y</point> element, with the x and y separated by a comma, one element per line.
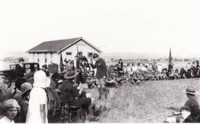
<point>37,109</point>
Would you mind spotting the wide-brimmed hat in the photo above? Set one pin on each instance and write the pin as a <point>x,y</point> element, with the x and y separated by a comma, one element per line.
<point>41,80</point>
<point>70,74</point>
<point>11,103</point>
<point>25,87</point>
<point>190,90</point>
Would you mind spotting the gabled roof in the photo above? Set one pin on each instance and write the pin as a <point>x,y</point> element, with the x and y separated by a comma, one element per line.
<point>58,45</point>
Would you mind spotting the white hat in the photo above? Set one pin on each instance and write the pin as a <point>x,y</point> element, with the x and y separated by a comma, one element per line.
<point>41,80</point>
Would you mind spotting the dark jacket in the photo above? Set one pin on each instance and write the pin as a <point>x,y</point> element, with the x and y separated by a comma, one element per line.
<point>100,65</point>
<point>192,103</point>
<point>20,70</point>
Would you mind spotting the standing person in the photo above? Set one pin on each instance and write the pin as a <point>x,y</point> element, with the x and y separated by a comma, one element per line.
<point>20,69</point>
<point>10,110</point>
<point>37,109</point>
<point>120,67</point>
<point>101,73</point>
<point>44,68</point>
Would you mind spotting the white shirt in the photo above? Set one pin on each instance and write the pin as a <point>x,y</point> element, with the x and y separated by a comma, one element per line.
<point>134,68</point>
<point>5,120</point>
<point>37,97</point>
<point>128,68</point>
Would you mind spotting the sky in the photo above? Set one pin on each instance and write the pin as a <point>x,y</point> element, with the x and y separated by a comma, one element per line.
<point>114,26</point>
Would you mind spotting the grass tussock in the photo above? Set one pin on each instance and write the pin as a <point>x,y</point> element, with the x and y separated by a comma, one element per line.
<point>148,102</point>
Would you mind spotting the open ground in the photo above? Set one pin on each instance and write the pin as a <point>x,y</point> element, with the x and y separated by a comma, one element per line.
<point>148,102</point>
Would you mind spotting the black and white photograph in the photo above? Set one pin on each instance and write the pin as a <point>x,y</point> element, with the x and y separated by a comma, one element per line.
<point>99,61</point>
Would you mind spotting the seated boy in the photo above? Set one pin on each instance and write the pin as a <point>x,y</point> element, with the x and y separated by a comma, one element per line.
<point>91,82</point>
<point>110,81</point>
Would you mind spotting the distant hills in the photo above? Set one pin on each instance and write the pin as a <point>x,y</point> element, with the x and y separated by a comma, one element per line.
<point>13,54</point>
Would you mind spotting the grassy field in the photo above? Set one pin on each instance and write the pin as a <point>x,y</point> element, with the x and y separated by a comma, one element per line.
<point>148,102</point>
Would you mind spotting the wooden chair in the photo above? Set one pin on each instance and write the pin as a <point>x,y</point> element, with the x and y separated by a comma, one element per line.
<point>68,110</point>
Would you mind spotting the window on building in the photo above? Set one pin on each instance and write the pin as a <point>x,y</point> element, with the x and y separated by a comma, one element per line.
<point>80,53</point>
<point>68,53</point>
<point>38,60</point>
<point>90,55</point>
<point>45,59</point>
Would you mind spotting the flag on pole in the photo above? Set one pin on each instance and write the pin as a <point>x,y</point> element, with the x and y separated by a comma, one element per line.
<point>170,56</point>
<point>170,65</point>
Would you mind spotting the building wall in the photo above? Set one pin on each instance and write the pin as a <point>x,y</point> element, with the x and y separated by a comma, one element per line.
<point>81,46</point>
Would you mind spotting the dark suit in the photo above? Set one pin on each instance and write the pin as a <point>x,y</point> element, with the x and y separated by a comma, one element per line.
<point>100,65</point>
<point>20,70</point>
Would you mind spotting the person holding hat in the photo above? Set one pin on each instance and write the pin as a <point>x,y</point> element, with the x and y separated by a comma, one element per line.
<point>193,104</point>
<point>10,110</point>
<point>101,73</point>
<point>37,108</point>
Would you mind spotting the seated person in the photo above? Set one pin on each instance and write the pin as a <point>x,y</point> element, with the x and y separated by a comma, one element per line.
<point>91,81</point>
<point>193,104</point>
<point>110,81</point>
<point>183,73</point>
<point>176,74</point>
<point>29,75</point>
<point>72,95</point>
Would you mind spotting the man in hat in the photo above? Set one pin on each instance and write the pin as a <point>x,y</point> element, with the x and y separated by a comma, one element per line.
<point>72,95</point>
<point>20,69</point>
<point>193,104</point>
<point>101,73</point>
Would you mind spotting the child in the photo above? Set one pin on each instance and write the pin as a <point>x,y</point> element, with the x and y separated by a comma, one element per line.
<point>90,81</point>
<point>10,110</point>
<point>37,108</point>
<point>110,81</point>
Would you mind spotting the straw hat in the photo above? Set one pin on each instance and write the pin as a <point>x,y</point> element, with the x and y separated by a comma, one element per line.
<point>11,103</point>
<point>41,80</point>
<point>25,87</point>
<point>190,90</point>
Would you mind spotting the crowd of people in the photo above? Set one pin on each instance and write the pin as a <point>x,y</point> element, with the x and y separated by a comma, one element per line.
<point>34,94</point>
<point>29,99</point>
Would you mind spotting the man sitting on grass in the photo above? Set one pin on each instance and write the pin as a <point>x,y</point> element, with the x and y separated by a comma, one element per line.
<point>193,104</point>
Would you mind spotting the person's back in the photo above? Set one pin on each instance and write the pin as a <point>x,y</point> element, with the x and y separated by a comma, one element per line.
<point>193,104</point>
<point>37,109</point>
